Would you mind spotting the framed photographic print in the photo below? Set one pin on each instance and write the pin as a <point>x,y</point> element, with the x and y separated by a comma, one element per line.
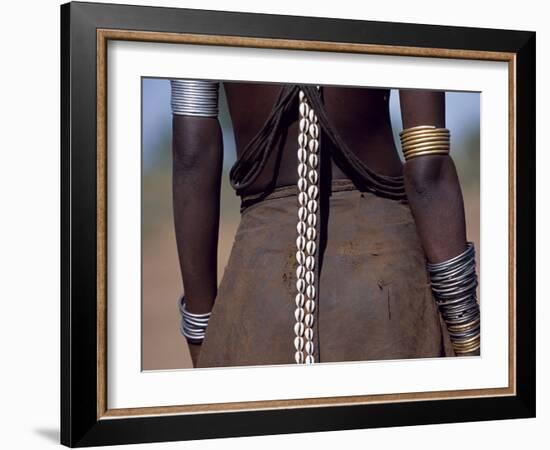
<point>277,224</point>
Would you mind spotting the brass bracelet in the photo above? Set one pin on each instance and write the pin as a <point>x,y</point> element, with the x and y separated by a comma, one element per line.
<point>464,327</point>
<point>424,140</point>
<point>469,350</point>
<point>426,143</point>
<point>466,342</point>
<point>427,152</point>
<point>408,139</point>
<point>462,348</point>
<point>417,128</point>
<point>426,148</point>
<point>468,347</point>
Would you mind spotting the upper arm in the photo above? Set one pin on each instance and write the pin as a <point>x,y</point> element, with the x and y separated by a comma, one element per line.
<point>422,107</point>
<point>196,132</point>
<point>419,107</point>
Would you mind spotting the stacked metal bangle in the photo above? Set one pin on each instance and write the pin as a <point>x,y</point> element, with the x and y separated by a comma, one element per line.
<point>425,140</point>
<point>454,284</point>
<point>192,326</point>
<point>194,98</point>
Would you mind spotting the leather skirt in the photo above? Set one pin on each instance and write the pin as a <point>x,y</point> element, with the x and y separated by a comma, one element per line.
<point>374,300</point>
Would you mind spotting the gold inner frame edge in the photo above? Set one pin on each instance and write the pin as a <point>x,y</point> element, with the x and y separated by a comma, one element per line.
<point>103,36</point>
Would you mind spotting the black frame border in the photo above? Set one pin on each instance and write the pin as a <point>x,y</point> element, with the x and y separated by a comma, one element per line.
<point>79,423</point>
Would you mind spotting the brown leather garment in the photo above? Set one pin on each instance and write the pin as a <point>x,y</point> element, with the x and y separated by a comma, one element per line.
<point>374,299</point>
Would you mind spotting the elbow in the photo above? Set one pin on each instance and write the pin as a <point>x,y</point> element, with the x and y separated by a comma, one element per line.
<point>190,159</point>
<point>426,176</point>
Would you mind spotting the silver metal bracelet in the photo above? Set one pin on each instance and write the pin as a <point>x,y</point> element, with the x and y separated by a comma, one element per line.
<point>194,98</point>
<point>192,326</point>
<point>454,284</point>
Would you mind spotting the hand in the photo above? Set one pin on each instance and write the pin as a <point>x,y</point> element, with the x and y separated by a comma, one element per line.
<point>194,349</point>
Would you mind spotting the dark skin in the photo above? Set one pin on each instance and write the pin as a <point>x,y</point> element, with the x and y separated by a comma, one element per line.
<point>362,118</point>
<point>196,177</point>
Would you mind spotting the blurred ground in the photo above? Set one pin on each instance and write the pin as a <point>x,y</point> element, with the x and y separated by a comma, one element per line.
<point>163,346</point>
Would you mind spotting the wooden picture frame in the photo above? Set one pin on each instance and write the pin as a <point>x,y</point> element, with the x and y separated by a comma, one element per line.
<point>86,418</point>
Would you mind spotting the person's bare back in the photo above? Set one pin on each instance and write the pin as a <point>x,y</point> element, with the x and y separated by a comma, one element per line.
<point>361,117</point>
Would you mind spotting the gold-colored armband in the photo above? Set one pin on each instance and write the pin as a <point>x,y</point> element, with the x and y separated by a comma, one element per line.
<point>425,140</point>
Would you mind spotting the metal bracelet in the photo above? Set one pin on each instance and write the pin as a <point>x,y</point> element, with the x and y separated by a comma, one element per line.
<point>466,254</point>
<point>194,98</point>
<point>192,325</point>
<point>454,287</point>
<point>424,140</point>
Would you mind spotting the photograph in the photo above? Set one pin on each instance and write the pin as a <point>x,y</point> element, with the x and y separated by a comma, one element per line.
<point>299,224</point>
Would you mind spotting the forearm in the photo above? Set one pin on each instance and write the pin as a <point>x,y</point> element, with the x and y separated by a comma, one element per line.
<point>435,199</point>
<point>197,165</point>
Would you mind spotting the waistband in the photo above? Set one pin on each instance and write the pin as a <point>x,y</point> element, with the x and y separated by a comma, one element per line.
<point>291,190</point>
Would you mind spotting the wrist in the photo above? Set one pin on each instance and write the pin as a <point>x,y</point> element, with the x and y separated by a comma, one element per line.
<point>192,325</point>
<point>454,285</point>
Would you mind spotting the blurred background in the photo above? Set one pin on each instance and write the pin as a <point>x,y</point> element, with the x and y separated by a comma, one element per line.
<point>163,347</point>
